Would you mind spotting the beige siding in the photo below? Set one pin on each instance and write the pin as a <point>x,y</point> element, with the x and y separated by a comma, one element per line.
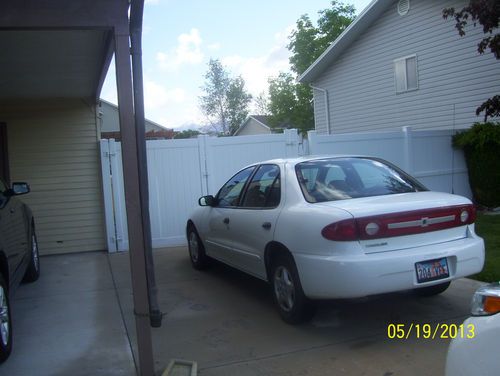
<point>253,127</point>
<point>53,146</point>
<point>110,121</point>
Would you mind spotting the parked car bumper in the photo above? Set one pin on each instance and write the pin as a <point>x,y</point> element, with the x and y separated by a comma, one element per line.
<point>328,277</point>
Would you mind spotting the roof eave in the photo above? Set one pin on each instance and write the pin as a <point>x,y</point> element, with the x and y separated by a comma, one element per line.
<point>348,36</point>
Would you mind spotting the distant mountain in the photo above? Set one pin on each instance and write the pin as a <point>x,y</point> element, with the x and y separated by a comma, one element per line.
<point>186,126</point>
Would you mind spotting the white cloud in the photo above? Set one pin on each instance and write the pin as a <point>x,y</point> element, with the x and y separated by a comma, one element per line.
<point>170,107</point>
<point>157,96</point>
<point>257,70</point>
<point>214,46</point>
<point>188,51</point>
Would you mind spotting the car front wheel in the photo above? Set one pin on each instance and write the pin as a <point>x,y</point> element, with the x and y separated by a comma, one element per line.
<point>293,306</point>
<point>197,254</point>
<point>5,322</point>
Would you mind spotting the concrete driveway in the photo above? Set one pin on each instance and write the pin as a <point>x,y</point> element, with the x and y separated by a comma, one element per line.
<point>225,320</point>
<point>221,318</point>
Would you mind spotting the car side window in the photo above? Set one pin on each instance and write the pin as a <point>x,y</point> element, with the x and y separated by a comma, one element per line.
<point>264,189</point>
<point>308,177</point>
<point>229,194</point>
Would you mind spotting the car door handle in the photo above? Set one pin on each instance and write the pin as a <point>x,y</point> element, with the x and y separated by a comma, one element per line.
<point>226,221</point>
<point>266,225</point>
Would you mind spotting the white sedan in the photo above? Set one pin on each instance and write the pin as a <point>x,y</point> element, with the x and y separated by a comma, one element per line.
<point>335,227</point>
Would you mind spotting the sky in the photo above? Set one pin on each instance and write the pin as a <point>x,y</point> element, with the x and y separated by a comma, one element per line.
<point>180,37</point>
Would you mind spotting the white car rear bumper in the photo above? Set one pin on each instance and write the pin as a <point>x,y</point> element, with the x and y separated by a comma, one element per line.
<point>328,277</point>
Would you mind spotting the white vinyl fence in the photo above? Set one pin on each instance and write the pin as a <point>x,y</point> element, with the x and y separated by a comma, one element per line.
<point>180,171</point>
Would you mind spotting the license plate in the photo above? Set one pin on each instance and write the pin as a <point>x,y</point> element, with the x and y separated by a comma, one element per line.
<point>432,270</point>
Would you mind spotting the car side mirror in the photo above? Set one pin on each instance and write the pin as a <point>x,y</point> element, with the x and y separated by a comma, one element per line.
<point>19,188</point>
<point>207,201</point>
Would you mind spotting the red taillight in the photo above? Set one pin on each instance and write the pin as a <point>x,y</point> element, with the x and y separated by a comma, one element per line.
<point>399,224</point>
<point>345,230</point>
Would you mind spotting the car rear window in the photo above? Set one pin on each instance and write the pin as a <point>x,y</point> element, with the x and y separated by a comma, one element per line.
<point>344,178</point>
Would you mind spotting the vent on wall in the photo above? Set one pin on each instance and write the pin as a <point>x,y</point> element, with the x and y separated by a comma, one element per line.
<point>403,7</point>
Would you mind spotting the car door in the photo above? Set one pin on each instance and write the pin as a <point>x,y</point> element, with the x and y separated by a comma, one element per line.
<point>217,241</point>
<point>252,224</point>
<point>12,229</point>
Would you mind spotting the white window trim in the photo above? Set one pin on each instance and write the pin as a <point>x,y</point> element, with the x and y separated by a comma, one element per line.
<point>406,78</point>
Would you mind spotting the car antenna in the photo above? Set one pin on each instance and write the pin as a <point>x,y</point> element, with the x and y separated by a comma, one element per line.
<point>453,155</point>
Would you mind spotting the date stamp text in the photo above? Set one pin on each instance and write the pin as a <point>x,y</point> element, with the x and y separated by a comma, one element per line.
<point>430,331</point>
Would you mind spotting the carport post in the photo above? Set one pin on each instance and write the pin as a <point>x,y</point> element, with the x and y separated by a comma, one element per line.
<point>133,203</point>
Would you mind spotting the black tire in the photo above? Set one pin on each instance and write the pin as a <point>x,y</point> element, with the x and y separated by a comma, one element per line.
<point>5,322</point>
<point>292,304</point>
<point>432,290</point>
<point>33,270</point>
<point>197,255</point>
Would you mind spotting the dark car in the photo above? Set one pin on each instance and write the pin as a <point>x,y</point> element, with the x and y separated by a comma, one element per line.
<point>19,259</point>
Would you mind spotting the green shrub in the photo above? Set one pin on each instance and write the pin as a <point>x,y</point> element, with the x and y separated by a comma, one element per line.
<point>481,145</point>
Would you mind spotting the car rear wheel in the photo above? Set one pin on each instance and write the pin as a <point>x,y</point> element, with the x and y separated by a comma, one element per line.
<point>197,254</point>
<point>5,322</point>
<point>33,271</point>
<point>433,290</point>
<point>293,306</point>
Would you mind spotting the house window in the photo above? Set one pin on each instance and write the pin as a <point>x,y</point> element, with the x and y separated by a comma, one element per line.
<point>405,74</point>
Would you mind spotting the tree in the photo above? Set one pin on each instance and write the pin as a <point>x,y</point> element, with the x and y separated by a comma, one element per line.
<point>238,100</point>
<point>308,42</point>
<point>261,104</point>
<point>226,101</point>
<point>290,102</point>
<point>188,133</point>
<point>303,45</point>
<point>486,13</point>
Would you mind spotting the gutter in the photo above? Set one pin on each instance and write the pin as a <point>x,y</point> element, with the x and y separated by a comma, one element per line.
<point>327,106</point>
<point>135,30</point>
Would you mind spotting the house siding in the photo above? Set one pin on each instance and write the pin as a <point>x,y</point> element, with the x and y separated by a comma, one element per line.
<point>110,121</point>
<point>453,79</point>
<point>253,127</point>
<point>320,123</point>
<point>53,146</point>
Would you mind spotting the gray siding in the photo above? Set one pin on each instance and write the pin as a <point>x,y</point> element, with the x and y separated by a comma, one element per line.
<point>320,123</point>
<point>53,146</point>
<point>453,78</point>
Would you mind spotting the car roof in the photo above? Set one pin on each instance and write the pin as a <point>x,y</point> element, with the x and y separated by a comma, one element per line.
<point>296,160</point>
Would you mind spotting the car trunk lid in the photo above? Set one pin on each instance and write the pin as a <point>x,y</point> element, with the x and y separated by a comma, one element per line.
<point>400,221</point>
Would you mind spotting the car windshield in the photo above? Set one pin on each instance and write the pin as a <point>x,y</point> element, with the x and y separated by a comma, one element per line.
<point>344,178</point>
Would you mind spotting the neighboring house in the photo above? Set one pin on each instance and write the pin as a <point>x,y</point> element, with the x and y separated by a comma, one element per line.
<point>258,124</point>
<point>110,124</point>
<point>401,64</point>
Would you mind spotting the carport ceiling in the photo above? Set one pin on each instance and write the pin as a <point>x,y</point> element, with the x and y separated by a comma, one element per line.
<point>52,63</point>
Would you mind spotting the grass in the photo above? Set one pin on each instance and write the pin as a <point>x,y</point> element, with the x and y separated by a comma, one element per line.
<point>488,227</point>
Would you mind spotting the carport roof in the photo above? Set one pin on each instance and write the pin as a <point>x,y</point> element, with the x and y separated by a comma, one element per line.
<point>57,49</point>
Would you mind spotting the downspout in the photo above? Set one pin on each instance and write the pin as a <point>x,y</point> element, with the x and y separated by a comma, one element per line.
<point>135,29</point>
<point>327,106</point>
